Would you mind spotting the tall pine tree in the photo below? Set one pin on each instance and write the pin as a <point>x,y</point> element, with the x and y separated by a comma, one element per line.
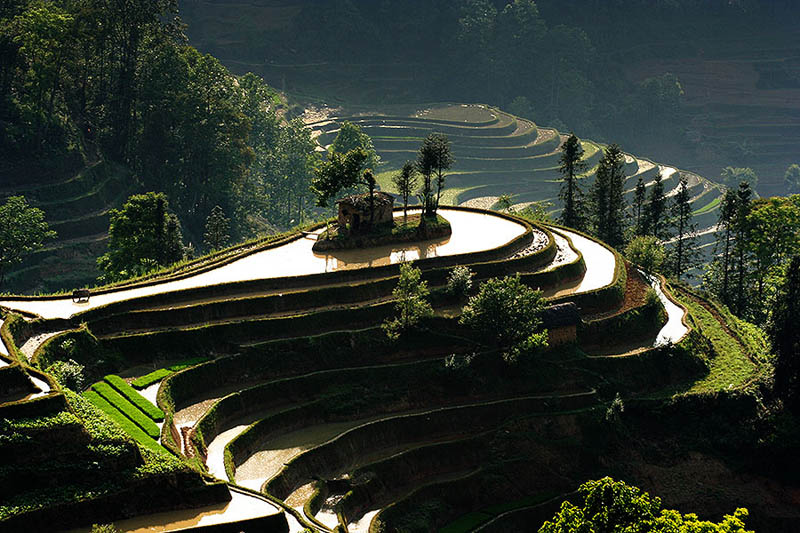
<point>608,202</point>
<point>639,196</point>
<point>572,164</point>
<point>684,254</point>
<point>741,255</point>
<point>656,219</point>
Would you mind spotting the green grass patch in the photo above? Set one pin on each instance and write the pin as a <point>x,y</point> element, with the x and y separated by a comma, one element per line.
<point>135,398</point>
<point>467,522</point>
<point>142,382</point>
<point>116,416</point>
<point>731,368</point>
<point>710,206</point>
<point>145,381</point>
<point>126,408</point>
<point>186,363</point>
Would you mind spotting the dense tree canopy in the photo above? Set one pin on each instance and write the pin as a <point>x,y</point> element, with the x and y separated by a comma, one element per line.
<point>22,230</point>
<point>506,314</point>
<point>608,506</point>
<point>143,235</point>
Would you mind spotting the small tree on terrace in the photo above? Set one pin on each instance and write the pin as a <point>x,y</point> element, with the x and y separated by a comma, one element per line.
<point>339,172</point>
<point>22,230</point>
<point>572,165</point>
<point>506,314</point>
<point>406,181</point>
<point>434,158</point>
<point>412,303</point>
<point>217,225</point>
<point>647,252</point>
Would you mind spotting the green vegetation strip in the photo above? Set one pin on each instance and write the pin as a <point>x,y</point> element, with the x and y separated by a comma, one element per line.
<point>710,206</point>
<point>123,421</point>
<point>731,368</point>
<point>145,381</point>
<point>126,408</point>
<point>135,398</point>
<point>148,379</point>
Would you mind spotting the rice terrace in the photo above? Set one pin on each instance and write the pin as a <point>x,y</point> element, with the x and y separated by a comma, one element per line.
<point>336,266</point>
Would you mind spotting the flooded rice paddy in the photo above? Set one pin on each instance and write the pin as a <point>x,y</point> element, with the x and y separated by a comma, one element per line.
<point>471,232</point>
<point>241,507</point>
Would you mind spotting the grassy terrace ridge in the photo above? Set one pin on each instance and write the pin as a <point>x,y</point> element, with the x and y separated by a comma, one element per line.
<point>126,408</point>
<point>135,398</point>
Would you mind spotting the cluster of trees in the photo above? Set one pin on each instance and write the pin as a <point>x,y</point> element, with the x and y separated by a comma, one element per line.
<point>350,164</point>
<point>85,79</point>
<point>651,217</point>
<point>756,239</point>
<point>609,505</point>
<point>504,314</point>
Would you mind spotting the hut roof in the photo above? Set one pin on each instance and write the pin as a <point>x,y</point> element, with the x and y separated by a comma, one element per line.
<point>561,315</point>
<point>361,201</point>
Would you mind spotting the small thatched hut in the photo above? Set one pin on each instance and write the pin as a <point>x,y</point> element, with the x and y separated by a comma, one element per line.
<point>354,211</point>
<point>561,321</point>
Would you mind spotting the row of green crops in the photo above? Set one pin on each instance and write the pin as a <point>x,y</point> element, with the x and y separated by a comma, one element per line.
<point>125,408</point>
<point>135,398</point>
<point>133,430</point>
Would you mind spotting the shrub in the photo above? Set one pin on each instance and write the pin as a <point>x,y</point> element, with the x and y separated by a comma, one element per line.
<point>69,374</point>
<point>412,301</point>
<point>459,282</point>
<point>646,252</point>
<point>135,398</point>
<point>506,314</point>
<point>126,408</point>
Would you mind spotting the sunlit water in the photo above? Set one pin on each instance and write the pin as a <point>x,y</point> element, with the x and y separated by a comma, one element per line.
<point>241,507</point>
<point>471,232</point>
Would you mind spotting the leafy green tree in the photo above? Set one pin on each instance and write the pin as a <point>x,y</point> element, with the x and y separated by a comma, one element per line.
<point>785,336</point>
<point>647,252</point>
<point>411,295</point>
<point>791,179</point>
<point>23,230</point>
<point>607,200</point>
<point>608,506</point>
<point>774,237</point>
<point>684,253</point>
<point>656,210</point>
<point>521,107</point>
<point>639,196</point>
<point>506,314</point>
<point>142,235</point>
<point>217,225</point>
<point>405,182</point>
<point>571,161</point>
<point>351,137</point>
<point>459,281</point>
<point>340,171</point>
<point>733,176</point>
<point>434,158</point>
